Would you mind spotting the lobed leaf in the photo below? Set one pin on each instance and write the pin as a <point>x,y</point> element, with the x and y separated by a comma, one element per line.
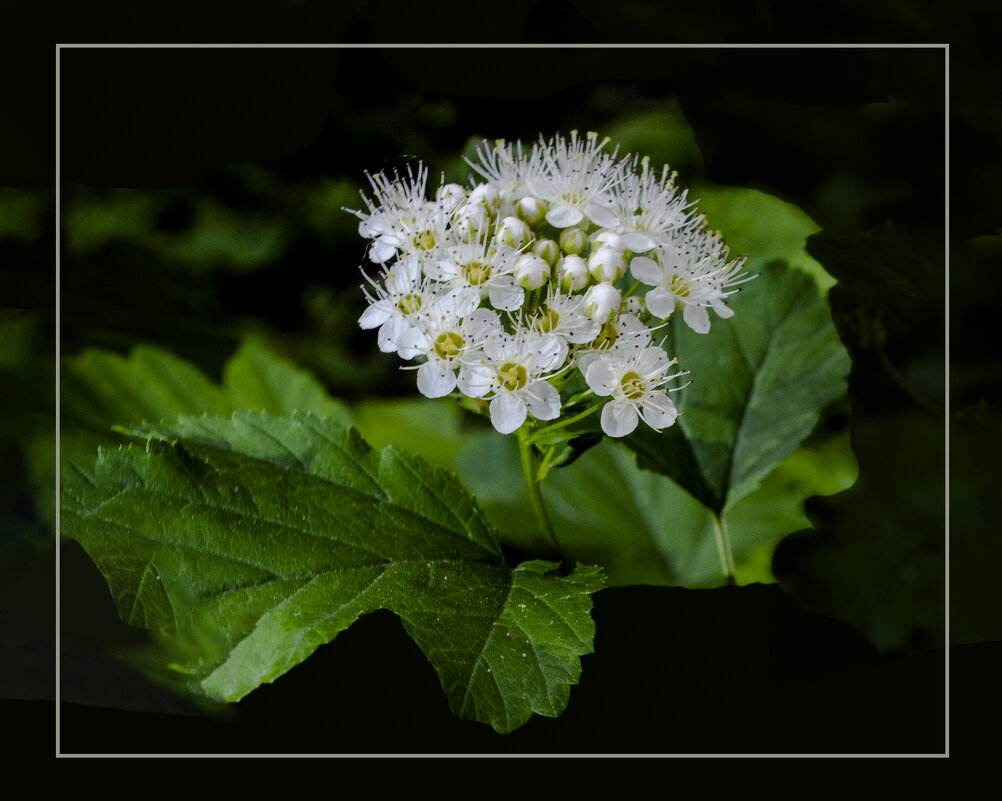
<point>259,538</point>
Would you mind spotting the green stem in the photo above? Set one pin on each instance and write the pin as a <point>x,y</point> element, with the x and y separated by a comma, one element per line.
<point>723,546</point>
<point>632,289</point>
<point>544,466</point>
<point>535,496</point>
<point>567,422</point>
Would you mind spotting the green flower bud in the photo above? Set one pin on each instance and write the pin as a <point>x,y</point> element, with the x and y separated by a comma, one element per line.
<point>547,249</point>
<point>572,272</point>
<point>606,264</point>
<point>532,210</point>
<point>531,272</point>
<point>601,302</point>
<point>513,232</point>
<point>573,240</point>
<point>609,239</point>
<point>487,196</point>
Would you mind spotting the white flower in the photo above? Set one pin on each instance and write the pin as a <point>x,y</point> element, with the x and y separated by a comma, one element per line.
<point>482,266</point>
<point>512,372</point>
<point>505,167</point>
<point>577,178</point>
<point>400,218</point>
<point>691,270</point>
<point>623,334</point>
<point>565,317</point>
<point>634,383</point>
<point>452,327</point>
<point>396,304</point>
<point>650,208</point>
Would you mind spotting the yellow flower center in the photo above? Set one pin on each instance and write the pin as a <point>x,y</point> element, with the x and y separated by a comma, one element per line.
<point>547,321</point>
<point>679,287</point>
<point>425,240</point>
<point>513,376</point>
<point>409,304</point>
<point>633,385</point>
<point>607,336</point>
<point>476,272</point>
<point>448,345</point>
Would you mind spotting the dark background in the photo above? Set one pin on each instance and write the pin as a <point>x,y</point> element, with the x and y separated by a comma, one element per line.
<point>750,669</point>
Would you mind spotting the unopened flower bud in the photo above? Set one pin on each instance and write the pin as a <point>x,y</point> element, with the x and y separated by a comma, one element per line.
<point>573,240</point>
<point>513,232</point>
<point>531,272</point>
<point>601,302</point>
<point>449,196</point>
<point>486,195</point>
<point>609,239</point>
<point>532,210</point>
<point>469,220</point>
<point>572,272</point>
<point>606,264</point>
<point>547,250</point>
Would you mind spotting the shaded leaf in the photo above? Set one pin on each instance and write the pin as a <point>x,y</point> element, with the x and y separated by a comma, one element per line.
<point>641,526</point>
<point>249,542</point>
<point>760,381</point>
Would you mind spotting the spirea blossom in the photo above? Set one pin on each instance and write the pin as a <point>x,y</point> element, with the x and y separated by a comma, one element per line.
<point>536,291</point>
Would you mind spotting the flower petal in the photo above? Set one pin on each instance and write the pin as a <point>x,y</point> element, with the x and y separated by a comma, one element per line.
<point>658,411</point>
<point>377,314</point>
<point>619,418</point>
<point>601,376</point>
<point>660,302</point>
<point>380,251</point>
<point>722,309</point>
<point>413,342</point>
<point>697,318</point>
<point>390,333</point>
<point>506,297</point>
<point>435,379</point>
<point>652,360</point>
<point>543,400</point>
<point>508,412</point>
<point>637,242</point>
<point>600,215</point>
<point>564,216</point>
<point>646,270</point>
<point>475,380</point>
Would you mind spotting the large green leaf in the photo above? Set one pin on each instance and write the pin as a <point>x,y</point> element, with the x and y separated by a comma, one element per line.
<point>248,542</point>
<point>642,527</point>
<point>760,382</point>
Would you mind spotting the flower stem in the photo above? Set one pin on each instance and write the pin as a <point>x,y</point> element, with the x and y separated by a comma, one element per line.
<point>535,496</point>
<point>723,546</point>
<point>567,422</point>
<point>632,289</point>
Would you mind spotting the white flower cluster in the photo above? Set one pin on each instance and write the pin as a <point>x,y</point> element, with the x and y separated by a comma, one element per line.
<point>517,290</point>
